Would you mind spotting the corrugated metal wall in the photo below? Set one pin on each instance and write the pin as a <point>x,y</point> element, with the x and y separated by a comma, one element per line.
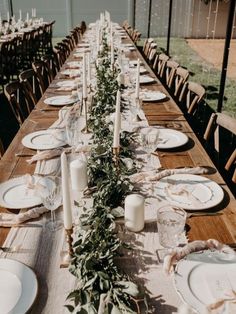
<point>190,18</point>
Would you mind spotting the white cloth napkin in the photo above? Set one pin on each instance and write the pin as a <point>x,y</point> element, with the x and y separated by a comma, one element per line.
<point>12,220</point>
<point>155,176</point>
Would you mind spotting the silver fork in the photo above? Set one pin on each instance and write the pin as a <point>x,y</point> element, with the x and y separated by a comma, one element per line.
<point>10,249</point>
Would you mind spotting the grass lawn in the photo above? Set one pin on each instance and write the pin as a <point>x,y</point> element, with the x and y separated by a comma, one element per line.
<point>202,72</point>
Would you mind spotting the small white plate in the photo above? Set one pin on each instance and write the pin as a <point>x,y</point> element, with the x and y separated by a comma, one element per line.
<point>146,79</point>
<point>191,192</point>
<point>14,194</point>
<point>67,83</point>
<point>71,72</point>
<point>152,96</point>
<point>202,278</point>
<point>133,63</point>
<point>60,100</point>
<point>18,287</point>
<point>45,139</point>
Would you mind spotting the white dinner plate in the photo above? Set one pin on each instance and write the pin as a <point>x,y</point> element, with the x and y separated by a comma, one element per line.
<point>14,194</point>
<point>67,83</point>
<point>146,79</point>
<point>71,72</point>
<point>73,64</point>
<point>83,45</point>
<point>18,287</point>
<point>45,139</point>
<point>60,100</point>
<point>152,96</point>
<point>170,138</point>
<point>204,277</point>
<point>189,191</point>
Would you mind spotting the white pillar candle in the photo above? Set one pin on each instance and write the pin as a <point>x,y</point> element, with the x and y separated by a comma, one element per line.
<point>78,172</point>
<point>134,212</point>
<point>120,79</point>
<point>20,15</point>
<point>137,80</point>
<point>84,77</point>
<point>116,137</point>
<point>66,193</point>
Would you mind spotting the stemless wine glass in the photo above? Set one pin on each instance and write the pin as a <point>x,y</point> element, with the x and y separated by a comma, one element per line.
<point>51,195</point>
<point>170,223</point>
<point>72,130</point>
<point>149,140</point>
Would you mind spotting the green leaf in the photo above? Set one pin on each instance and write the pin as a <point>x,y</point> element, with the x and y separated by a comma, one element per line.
<point>70,308</point>
<point>129,288</point>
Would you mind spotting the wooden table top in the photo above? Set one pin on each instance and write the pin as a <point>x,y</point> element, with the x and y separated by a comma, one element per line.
<point>166,113</point>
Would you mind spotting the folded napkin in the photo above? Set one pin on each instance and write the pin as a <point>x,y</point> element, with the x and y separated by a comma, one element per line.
<point>53,153</point>
<point>169,172</point>
<point>13,220</point>
<point>180,252</point>
<point>227,303</point>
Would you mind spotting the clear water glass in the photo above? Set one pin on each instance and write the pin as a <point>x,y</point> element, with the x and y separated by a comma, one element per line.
<point>51,196</point>
<point>149,140</point>
<point>170,224</point>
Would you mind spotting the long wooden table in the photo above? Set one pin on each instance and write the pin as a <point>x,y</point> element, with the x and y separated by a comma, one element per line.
<point>166,113</point>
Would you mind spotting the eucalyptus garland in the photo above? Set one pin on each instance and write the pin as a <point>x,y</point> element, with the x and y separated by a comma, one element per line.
<point>101,286</point>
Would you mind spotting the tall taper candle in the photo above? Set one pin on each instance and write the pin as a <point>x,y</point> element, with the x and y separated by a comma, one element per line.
<point>89,68</point>
<point>116,137</point>
<point>84,77</point>
<point>20,15</point>
<point>66,192</point>
<point>137,80</point>
<point>8,17</point>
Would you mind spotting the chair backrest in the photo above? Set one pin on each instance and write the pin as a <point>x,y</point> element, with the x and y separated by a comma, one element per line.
<point>218,123</point>
<point>51,67</point>
<point>146,45</point>
<point>180,77</point>
<point>171,67</point>
<point>31,84</point>
<point>21,105</point>
<point>40,69</point>
<point>191,96</point>
<point>161,64</point>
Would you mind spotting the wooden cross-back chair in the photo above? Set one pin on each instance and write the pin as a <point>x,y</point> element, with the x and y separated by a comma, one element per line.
<point>171,67</point>
<point>51,66</point>
<point>191,96</point>
<point>176,84</point>
<point>220,136</point>
<point>42,74</point>
<point>160,64</point>
<point>21,104</point>
<point>146,45</point>
<point>31,85</point>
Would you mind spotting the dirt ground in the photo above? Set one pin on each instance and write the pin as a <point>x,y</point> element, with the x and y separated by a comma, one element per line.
<point>212,51</point>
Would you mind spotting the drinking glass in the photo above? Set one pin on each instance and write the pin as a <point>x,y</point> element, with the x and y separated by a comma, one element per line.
<point>170,223</point>
<point>72,131</point>
<point>149,140</point>
<point>51,195</point>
